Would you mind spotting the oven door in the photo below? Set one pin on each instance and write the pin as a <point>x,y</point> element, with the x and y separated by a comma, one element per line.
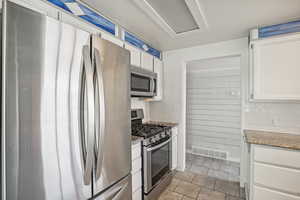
<point>157,163</point>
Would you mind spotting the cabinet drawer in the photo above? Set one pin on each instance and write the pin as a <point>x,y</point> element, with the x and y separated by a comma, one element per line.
<point>136,151</point>
<point>137,164</point>
<point>277,156</point>
<point>136,181</point>
<point>137,195</point>
<point>277,178</point>
<point>265,194</point>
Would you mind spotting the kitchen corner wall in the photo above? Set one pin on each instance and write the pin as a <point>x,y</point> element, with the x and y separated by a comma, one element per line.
<point>173,105</point>
<point>262,116</point>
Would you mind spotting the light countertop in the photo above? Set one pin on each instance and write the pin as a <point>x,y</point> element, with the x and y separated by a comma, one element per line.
<point>135,139</point>
<point>171,124</point>
<point>276,139</point>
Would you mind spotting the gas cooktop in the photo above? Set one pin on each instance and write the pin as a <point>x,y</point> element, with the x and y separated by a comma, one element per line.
<point>151,133</point>
<point>146,130</point>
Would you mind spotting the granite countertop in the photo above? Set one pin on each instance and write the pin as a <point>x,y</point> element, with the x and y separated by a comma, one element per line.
<point>135,139</point>
<point>284,140</point>
<point>171,124</point>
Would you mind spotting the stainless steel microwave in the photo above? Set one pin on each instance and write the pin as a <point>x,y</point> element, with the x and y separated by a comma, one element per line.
<point>143,82</point>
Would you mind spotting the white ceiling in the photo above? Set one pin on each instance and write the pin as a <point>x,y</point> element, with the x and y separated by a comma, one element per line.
<point>227,19</point>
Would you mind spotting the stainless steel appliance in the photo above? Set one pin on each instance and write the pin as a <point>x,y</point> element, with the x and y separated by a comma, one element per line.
<point>157,154</point>
<point>143,82</point>
<point>65,111</point>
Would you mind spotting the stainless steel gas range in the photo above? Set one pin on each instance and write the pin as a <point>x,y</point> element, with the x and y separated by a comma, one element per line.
<point>157,154</point>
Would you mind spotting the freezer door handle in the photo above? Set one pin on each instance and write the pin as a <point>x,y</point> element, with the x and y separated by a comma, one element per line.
<point>114,194</point>
<point>87,116</point>
<point>100,112</point>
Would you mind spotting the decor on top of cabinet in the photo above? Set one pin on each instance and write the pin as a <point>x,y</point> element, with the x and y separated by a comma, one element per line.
<point>130,38</point>
<point>273,30</point>
<point>78,9</point>
<point>279,29</point>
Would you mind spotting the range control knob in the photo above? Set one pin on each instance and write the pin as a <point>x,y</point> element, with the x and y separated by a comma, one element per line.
<point>157,136</point>
<point>152,140</point>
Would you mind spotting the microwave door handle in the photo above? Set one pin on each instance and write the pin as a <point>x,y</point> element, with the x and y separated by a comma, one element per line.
<point>152,85</point>
<point>100,117</point>
<point>87,126</point>
<point>159,146</point>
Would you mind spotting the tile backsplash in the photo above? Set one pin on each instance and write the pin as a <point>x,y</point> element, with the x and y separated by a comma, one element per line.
<point>282,117</point>
<point>138,103</point>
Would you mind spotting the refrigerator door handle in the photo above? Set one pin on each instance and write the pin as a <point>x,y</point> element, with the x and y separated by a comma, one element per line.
<point>87,126</point>
<point>100,117</point>
<point>118,195</point>
<point>114,194</point>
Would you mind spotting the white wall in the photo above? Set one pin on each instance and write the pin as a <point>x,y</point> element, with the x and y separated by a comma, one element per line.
<point>262,116</point>
<point>213,115</point>
<point>173,106</point>
<point>278,117</point>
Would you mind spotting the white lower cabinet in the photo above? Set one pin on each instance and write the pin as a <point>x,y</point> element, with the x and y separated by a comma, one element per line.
<point>274,173</point>
<point>136,172</point>
<point>265,194</point>
<point>137,195</point>
<point>174,147</point>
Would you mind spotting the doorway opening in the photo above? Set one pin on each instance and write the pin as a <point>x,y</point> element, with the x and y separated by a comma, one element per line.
<point>213,120</point>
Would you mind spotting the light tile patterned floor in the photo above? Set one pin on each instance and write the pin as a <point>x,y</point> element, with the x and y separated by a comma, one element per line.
<point>205,179</point>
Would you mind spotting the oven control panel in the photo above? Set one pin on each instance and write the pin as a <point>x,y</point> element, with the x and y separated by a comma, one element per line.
<point>158,137</point>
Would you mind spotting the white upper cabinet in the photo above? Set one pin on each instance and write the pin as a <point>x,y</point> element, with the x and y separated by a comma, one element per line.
<point>147,61</point>
<point>112,39</point>
<point>158,68</point>
<point>275,67</point>
<point>135,55</point>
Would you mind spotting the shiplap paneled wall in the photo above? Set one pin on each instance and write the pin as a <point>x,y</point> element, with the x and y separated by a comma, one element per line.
<point>214,105</point>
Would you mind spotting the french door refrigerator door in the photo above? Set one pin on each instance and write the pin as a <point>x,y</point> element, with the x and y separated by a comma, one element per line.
<point>113,134</point>
<point>120,191</point>
<point>49,108</point>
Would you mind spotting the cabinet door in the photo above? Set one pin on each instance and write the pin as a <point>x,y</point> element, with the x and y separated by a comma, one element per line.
<point>174,148</point>
<point>158,68</point>
<point>135,55</point>
<point>147,61</point>
<point>112,39</point>
<point>276,68</point>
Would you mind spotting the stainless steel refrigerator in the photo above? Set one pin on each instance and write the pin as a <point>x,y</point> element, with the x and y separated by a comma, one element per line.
<point>65,111</point>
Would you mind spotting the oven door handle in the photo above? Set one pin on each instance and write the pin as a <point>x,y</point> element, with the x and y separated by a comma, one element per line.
<point>158,146</point>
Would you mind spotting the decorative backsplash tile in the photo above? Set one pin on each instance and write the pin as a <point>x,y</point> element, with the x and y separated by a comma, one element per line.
<point>141,44</point>
<point>80,10</point>
<point>279,29</point>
